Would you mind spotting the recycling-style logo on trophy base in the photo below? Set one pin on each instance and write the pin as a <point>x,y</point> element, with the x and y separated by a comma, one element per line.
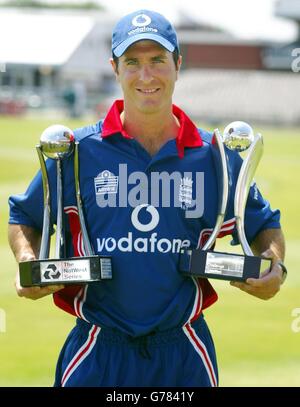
<point>51,272</point>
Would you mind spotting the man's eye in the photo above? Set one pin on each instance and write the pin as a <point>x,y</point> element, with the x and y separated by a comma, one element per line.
<point>158,60</point>
<point>131,62</point>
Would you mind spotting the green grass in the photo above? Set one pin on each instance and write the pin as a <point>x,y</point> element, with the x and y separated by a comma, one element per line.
<point>255,343</point>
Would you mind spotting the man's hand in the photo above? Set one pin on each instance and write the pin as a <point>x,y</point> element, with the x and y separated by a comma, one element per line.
<point>25,243</point>
<point>34,293</point>
<point>269,282</point>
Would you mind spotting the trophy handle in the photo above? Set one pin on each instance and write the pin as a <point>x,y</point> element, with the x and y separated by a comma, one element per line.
<point>86,241</point>
<point>60,237</point>
<point>244,181</point>
<point>223,188</point>
<point>45,242</point>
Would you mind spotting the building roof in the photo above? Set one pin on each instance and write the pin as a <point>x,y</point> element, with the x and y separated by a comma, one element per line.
<point>38,38</point>
<point>199,36</point>
<point>217,96</point>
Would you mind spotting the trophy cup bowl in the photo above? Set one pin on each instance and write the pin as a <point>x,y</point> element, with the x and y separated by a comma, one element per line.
<point>57,141</point>
<point>238,136</point>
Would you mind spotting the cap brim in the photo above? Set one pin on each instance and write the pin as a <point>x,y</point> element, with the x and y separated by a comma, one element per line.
<point>120,49</point>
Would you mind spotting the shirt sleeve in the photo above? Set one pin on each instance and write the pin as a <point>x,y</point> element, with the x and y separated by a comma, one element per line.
<point>258,213</point>
<point>28,208</point>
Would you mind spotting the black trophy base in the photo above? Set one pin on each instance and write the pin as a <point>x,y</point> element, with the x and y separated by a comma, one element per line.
<point>221,266</point>
<point>75,270</point>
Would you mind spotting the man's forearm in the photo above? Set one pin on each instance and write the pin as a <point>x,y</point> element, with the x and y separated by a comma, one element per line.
<point>272,239</point>
<point>24,242</point>
<point>270,243</point>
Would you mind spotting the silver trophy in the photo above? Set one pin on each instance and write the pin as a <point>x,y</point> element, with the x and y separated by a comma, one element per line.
<point>204,262</point>
<point>57,143</point>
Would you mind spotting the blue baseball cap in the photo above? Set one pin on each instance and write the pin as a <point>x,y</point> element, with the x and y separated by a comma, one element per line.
<point>143,25</point>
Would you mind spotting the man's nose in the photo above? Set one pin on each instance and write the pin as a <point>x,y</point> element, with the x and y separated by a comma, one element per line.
<point>146,73</point>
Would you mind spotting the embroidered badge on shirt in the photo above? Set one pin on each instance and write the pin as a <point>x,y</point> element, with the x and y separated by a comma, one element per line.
<point>106,183</point>
<point>185,192</point>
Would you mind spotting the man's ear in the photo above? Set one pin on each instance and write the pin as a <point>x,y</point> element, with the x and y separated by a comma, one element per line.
<point>179,62</point>
<point>115,68</point>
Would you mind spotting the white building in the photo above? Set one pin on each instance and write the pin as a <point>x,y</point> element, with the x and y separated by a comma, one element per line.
<point>41,52</point>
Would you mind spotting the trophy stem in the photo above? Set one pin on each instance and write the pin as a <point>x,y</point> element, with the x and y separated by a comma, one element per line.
<point>45,242</point>
<point>223,187</point>
<point>60,238</point>
<point>244,181</point>
<point>86,241</point>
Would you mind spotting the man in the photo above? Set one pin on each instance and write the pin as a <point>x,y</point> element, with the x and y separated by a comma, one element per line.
<point>145,327</point>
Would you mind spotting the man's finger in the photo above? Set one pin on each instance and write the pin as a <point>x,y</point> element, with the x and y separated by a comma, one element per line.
<point>35,293</point>
<point>50,289</point>
<point>256,282</point>
<point>54,288</point>
<point>239,285</point>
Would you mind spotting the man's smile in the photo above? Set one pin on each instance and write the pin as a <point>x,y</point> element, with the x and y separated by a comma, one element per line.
<point>148,91</point>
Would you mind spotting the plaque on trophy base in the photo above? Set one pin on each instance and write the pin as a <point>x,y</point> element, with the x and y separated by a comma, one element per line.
<point>65,271</point>
<point>222,266</point>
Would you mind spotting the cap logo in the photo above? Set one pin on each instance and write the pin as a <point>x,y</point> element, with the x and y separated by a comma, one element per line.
<point>142,20</point>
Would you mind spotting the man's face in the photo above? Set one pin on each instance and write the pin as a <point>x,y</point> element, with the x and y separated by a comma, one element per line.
<point>147,75</point>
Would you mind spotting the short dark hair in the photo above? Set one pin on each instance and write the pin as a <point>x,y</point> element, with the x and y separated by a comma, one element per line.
<point>175,55</point>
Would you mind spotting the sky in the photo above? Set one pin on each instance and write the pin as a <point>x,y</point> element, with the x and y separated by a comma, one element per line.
<point>247,19</point>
